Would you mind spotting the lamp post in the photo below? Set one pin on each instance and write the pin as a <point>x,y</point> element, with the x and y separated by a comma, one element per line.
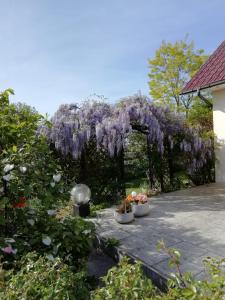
<point>80,195</point>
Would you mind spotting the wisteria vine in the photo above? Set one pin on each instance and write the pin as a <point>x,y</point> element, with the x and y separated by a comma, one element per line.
<point>110,125</point>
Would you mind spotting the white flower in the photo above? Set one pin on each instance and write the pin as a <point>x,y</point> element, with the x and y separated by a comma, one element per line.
<point>50,257</point>
<point>52,184</point>
<point>87,231</point>
<point>23,169</point>
<point>51,212</point>
<point>8,168</point>
<point>56,177</point>
<point>46,240</point>
<point>7,177</point>
<point>9,240</point>
<point>31,222</point>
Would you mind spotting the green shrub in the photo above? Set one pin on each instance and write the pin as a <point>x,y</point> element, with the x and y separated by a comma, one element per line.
<point>42,279</point>
<point>70,238</point>
<point>28,168</point>
<point>127,281</point>
<point>124,282</point>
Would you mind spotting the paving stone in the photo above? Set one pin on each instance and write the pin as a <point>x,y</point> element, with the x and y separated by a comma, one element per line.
<point>191,220</point>
<point>116,234</point>
<point>164,268</point>
<point>98,264</point>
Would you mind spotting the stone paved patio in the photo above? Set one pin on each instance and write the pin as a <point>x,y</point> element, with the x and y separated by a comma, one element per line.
<point>192,221</point>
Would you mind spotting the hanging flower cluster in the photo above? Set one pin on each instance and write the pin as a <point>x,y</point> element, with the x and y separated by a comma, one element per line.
<point>73,127</point>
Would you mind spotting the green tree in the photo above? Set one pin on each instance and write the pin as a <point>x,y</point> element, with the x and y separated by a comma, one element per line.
<point>173,65</point>
<point>201,117</point>
<point>17,122</point>
<point>26,162</point>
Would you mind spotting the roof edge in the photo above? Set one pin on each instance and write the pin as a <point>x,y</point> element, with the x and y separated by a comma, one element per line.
<point>203,87</point>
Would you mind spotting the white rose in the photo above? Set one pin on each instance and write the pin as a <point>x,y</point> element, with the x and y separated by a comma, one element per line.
<point>87,231</point>
<point>7,177</point>
<point>9,240</point>
<point>57,177</point>
<point>31,222</point>
<point>50,257</point>
<point>8,168</point>
<point>51,212</point>
<point>52,184</point>
<point>23,169</point>
<point>46,240</point>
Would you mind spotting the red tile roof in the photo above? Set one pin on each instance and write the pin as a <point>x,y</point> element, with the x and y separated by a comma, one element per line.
<point>211,73</point>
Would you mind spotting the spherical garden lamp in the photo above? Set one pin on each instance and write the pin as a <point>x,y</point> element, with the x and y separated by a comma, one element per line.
<point>81,195</point>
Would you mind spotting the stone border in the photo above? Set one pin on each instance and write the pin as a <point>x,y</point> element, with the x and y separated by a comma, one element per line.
<point>117,254</point>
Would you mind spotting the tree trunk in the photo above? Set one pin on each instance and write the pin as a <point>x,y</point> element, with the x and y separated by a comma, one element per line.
<point>83,167</point>
<point>122,173</point>
<point>170,163</point>
<point>161,177</point>
<point>150,164</point>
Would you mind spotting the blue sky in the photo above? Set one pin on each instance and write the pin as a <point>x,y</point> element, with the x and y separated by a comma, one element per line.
<point>55,51</point>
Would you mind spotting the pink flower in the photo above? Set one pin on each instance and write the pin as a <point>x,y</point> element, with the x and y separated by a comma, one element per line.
<point>9,250</point>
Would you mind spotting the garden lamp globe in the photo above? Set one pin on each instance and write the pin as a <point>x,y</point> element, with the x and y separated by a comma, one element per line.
<point>81,195</point>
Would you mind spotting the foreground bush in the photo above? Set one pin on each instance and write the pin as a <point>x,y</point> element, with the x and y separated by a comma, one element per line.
<point>42,279</point>
<point>127,281</point>
<point>70,239</point>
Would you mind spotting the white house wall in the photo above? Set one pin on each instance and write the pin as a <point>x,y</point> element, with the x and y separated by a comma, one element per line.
<point>219,130</point>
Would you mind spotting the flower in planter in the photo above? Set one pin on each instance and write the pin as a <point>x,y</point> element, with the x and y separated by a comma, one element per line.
<point>124,213</point>
<point>137,198</point>
<point>21,204</point>
<point>141,199</point>
<point>125,207</point>
<point>129,198</point>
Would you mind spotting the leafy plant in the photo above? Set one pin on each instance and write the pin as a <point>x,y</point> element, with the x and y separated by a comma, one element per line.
<point>127,281</point>
<point>70,238</point>
<point>30,173</point>
<point>112,242</point>
<point>40,278</point>
<point>124,282</point>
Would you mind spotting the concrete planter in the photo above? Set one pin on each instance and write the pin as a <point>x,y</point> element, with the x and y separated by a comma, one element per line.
<point>141,210</point>
<point>124,218</point>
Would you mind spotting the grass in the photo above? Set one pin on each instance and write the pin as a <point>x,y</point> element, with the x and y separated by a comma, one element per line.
<point>137,185</point>
<point>97,207</point>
